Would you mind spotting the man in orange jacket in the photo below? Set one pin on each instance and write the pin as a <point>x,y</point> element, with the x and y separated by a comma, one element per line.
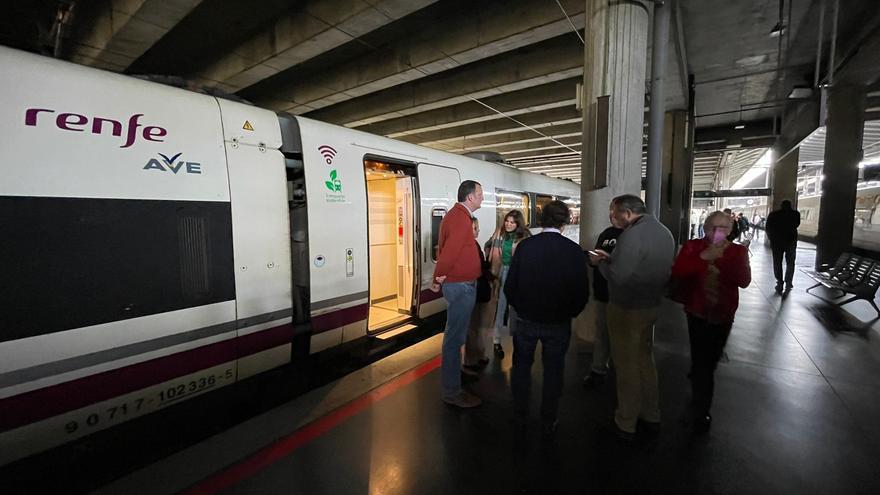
<point>456,271</point>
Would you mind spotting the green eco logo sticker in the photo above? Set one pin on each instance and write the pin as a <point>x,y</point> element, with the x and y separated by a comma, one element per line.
<point>334,184</point>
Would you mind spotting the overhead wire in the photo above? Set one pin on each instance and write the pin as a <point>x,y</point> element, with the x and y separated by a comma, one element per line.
<point>486,105</point>
<point>573,28</point>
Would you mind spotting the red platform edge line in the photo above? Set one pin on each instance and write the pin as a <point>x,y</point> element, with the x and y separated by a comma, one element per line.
<point>264,457</point>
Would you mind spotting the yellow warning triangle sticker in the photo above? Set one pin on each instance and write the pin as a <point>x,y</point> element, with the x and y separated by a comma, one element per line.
<point>247,126</point>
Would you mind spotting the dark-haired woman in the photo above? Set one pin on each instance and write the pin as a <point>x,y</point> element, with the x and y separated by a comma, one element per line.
<point>504,241</point>
<point>706,277</point>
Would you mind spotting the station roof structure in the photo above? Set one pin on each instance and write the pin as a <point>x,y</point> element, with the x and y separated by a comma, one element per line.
<point>464,75</point>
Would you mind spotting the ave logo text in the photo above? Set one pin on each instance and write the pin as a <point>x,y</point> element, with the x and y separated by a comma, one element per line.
<point>173,165</point>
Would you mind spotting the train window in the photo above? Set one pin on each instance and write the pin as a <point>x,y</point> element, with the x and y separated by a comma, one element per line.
<point>505,201</point>
<point>77,262</point>
<point>437,215</point>
<point>574,208</point>
<point>540,201</point>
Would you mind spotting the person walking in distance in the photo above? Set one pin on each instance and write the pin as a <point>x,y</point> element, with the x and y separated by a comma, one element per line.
<point>547,286</point>
<point>456,272</point>
<point>700,223</point>
<point>734,232</point>
<point>781,228</point>
<point>637,274</point>
<point>601,347</point>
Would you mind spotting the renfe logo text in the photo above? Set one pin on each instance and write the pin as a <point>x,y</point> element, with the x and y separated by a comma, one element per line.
<point>79,123</point>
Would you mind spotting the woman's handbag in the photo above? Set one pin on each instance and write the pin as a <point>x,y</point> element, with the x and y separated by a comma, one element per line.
<point>680,290</point>
<point>484,287</point>
<point>484,282</point>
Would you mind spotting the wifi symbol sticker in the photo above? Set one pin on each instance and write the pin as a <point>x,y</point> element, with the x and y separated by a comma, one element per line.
<point>328,153</point>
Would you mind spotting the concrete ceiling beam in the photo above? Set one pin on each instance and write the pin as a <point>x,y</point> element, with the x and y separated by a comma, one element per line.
<point>549,61</point>
<point>760,142</point>
<point>516,144</point>
<point>729,132</point>
<point>473,36</point>
<point>123,30</point>
<point>501,141</point>
<point>529,149</point>
<point>503,136</point>
<point>543,97</point>
<point>302,34</point>
<point>537,120</point>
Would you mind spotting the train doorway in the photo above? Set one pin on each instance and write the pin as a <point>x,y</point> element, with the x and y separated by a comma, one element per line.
<point>392,237</point>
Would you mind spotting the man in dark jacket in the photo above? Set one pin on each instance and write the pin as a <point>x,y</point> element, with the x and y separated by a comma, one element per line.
<point>781,229</point>
<point>734,232</point>
<point>601,347</point>
<point>547,286</point>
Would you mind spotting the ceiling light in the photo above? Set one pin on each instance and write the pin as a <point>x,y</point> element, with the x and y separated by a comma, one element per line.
<point>778,30</point>
<point>739,126</point>
<point>800,93</point>
<point>751,61</point>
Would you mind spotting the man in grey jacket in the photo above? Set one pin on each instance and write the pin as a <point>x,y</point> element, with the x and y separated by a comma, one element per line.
<point>637,275</point>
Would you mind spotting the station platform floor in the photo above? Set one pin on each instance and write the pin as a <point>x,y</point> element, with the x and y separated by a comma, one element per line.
<point>796,410</point>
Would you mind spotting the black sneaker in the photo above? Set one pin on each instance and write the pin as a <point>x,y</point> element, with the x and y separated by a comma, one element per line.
<point>499,351</point>
<point>623,435</point>
<point>548,428</point>
<point>593,380</point>
<point>468,378</point>
<point>614,431</point>
<point>648,429</point>
<point>472,369</point>
<point>779,287</point>
<point>702,423</point>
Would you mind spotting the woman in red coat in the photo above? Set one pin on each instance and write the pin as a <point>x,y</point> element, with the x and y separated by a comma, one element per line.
<point>706,277</point>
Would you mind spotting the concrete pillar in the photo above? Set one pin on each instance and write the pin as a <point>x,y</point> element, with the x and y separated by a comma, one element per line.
<point>614,65</point>
<point>615,59</point>
<point>676,176</point>
<point>843,152</point>
<point>656,138</point>
<point>784,179</point>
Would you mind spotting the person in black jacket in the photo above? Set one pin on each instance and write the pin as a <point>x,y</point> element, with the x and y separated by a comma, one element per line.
<point>547,286</point>
<point>734,232</point>
<point>601,346</point>
<point>781,229</point>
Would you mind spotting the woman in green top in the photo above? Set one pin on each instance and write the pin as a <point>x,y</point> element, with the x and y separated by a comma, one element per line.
<point>504,242</point>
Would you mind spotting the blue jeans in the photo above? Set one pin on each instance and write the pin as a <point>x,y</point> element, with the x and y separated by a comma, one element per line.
<point>460,299</point>
<point>502,305</point>
<point>554,338</point>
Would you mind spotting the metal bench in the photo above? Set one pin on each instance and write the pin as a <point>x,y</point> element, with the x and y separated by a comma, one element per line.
<point>841,269</point>
<point>850,274</point>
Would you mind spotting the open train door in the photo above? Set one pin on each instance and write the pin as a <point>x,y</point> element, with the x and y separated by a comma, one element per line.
<point>438,188</point>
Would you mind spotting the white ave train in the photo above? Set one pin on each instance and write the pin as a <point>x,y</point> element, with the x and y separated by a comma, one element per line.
<point>158,243</point>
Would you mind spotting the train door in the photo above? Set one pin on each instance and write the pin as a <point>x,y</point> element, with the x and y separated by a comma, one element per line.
<point>392,238</point>
<point>438,190</point>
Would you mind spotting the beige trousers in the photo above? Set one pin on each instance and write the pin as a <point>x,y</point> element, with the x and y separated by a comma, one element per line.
<point>631,332</point>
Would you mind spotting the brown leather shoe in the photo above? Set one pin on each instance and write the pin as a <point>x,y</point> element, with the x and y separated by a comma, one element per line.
<point>464,400</point>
